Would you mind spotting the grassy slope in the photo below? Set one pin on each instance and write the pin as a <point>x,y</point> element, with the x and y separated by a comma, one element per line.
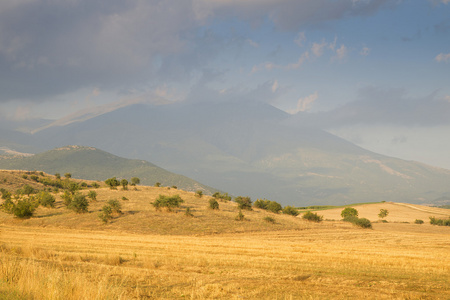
<point>148,254</point>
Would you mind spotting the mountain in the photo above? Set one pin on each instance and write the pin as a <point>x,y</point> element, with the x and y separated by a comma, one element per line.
<point>252,148</point>
<point>94,164</point>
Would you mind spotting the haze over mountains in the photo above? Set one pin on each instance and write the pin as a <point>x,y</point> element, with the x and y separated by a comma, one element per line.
<point>245,148</point>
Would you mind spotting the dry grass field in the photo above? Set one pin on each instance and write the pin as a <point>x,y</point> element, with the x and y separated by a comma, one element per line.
<point>149,254</point>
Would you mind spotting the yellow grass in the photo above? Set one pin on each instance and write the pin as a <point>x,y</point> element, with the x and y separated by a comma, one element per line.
<point>146,254</point>
<point>326,261</point>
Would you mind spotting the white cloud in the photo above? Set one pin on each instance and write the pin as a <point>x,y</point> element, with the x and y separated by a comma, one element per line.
<point>252,43</point>
<point>304,104</point>
<point>341,53</point>
<point>300,39</point>
<point>442,57</point>
<point>304,57</point>
<point>365,51</point>
<point>317,49</point>
<point>275,86</point>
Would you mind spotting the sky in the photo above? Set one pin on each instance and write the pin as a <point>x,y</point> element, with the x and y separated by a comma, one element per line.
<point>376,72</point>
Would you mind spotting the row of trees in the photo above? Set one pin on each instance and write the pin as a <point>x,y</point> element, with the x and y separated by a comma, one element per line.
<point>113,182</point>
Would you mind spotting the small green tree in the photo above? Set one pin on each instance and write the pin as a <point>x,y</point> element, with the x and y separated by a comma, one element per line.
<point>383,213</point>
<point>79,203</point>
<point>124,183</point>
<point>68,175</point>
<point>289,210</point>
<point>58,176</point>
<point>113,183</point>
<point>157,184</point>
<point>274,207</point>
<point>244,202</point>
<point>135,181</point>
<point>213,204</point>
<point>168,202</point>
<point>349,212</point>
<point>92,195</point>
<point>67,198</point>
<point>314,217</point>
<point>95,185</point>
<point>199,194</point>
<point>106,214</point>
<point>240,216</point>
<point>115,206</point>
<point>46,199</point>
<point>23,209</point>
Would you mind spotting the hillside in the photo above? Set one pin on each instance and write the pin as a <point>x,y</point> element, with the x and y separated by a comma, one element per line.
<point>251,148</point>
<point>94,164</point>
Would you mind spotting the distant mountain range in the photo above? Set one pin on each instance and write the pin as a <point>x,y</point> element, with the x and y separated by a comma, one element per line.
<point>246,148</point>
<point>94,164</point>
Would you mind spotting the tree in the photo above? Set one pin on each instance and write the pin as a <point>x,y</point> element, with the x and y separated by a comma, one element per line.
<point>68,175</point>
<point>383,213</point>
<point>199,194</point>
<point>79,203</point>
<point>46,199</point>
<point>58,176</point>
<point>289,210</point>
<point>243,202</point>
<point>157,184</point>
<point>113,183</point>
<point>168,202</point>
<point>23,209</point>
<point>135,180</point>
<point>92,195</point>
<point>213,204</point>
<point>349,212</point>
<point>124,183</point>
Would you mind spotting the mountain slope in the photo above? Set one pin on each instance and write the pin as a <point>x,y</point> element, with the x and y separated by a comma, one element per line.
<point>251,148</point>
<point>94,164</point>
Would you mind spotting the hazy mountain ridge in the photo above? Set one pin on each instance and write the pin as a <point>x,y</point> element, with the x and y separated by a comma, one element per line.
<point>252,148</point>
<point>94,164</point>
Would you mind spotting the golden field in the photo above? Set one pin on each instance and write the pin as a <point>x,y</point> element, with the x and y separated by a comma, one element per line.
<point>147,254</point>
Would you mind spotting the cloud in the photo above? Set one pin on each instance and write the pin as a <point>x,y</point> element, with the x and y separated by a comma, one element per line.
<point>317,48</point>
<point>304,104</point>
<point>442,57</point>
<point>341,53</point>
<point>377,106</point>
<point>300,39</point>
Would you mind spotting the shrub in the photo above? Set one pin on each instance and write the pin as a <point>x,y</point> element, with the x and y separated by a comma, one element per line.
<point>67,198</point>
<point>349,212</point>
<point>223,197</point>
<point>26,190</point>
<point>244,202</point>
<point>92,195</point>
<point>272,206</point>
<point>383,213</point>
<point>174,187</point>
<point>157,184</point>
<point>213,204</point>
<point>269,219</point>
<point>363,223</point>
<point>79,203</point>
<point>124,198</point>
<point>95,185</point>
<point>314,217</point>
<point>135,180</point>
<point>84,184</point>
<point>418,221</point>
<point>168,202</point>
<point>105,215</point>
<point>199,194</point>
<point>115,206</point>
<point>34,177</point>
<point>58,176</point>
<point>8,206</point>
<point>113,183</point>
<point>439,222</point>
<point>124,184</point>
<point>23,209</point>
<point>45,199</point>
<point>240,216</point>
<point>289,210</point>
<point>24,176</point>
<point>68,175</point>
<point>188,212</point>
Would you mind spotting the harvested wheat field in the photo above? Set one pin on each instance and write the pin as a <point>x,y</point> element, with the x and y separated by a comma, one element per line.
<point>145,253</point>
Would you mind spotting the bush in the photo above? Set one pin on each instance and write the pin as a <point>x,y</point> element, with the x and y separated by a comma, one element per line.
<point>115,206</point>
<point>240,216</point>
<point>124,184</point>
<point>199,194</point>
<point>79,204</point>
<point>213,204</point>
<point>8,206</point>
<point>439,222</point>
<point>92,195</point>
<point>383,213</point>
<point>188,212</point>
<point>363,223</point>
<point>349,212</point>
<point>157,184</point>
<point>135,180</point>
<point>272,206</point>
<point>289,210</point>
<point>168,202</point>
<point>314,217</point>
<point>23,209</point>
<point>95,185</point>
<point>67,198</point>
<point>113,183</point>
<point>418,221</point>
<point>269,219</point>
<point>244,202</point>
<point>105,215</point>
<point>223,197</point>
<point>45,199</point>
